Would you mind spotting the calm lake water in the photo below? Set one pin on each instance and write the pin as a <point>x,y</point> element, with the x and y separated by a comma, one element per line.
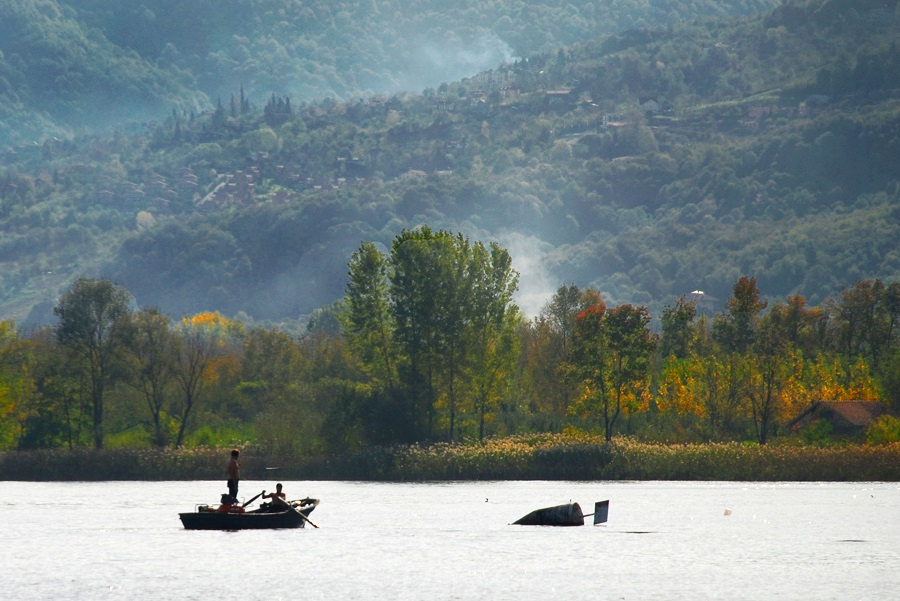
<point>664,540</point>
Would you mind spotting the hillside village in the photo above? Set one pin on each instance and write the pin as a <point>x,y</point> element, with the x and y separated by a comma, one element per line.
<point>287,184</point>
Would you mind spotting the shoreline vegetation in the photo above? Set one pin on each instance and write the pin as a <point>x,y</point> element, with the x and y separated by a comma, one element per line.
<point>535,457</point>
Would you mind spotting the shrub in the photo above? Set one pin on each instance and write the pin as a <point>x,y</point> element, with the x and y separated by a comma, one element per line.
<point>885,429</point>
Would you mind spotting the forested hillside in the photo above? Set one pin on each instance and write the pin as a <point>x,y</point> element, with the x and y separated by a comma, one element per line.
<point>69,65</point>
<point>597,185</point>
<point>646,163</point>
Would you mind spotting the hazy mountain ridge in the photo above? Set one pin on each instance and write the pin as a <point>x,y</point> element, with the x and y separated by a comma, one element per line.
<point>70,65</point>
<point>57,74</point>
<point>766,150</point>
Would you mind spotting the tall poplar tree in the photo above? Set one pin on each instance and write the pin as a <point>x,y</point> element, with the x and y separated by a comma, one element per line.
<point>432,315</point>
<point>418,299</point>
<point>90,323</point>
<point>493,320</point>
<point>734,333</point>
<point>366,314</point>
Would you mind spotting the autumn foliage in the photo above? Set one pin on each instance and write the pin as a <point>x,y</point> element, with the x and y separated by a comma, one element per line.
<point>429,349</point>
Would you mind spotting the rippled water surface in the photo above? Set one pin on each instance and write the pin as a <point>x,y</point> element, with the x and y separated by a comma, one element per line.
<point>664,540</point>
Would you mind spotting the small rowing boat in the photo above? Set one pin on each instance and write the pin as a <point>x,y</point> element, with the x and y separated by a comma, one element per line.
<point>233,517</point>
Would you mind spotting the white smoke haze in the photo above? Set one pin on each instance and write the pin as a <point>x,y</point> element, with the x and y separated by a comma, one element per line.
<point>536,285</point>
<point>487,52</point>
<point>439,61</point>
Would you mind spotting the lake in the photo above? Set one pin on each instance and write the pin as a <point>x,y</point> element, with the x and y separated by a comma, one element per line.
<point>664,540</point>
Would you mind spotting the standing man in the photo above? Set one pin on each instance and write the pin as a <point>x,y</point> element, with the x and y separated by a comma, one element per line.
<point>234,474</point>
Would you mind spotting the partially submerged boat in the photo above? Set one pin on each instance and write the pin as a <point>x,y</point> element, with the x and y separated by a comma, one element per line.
<point>569,514</point>
<point>294,514</point>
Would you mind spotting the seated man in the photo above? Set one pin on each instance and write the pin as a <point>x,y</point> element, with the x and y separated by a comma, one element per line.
<point>278,497</point>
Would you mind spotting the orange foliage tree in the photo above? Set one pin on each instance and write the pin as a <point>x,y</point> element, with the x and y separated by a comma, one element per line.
<point>611,354</point>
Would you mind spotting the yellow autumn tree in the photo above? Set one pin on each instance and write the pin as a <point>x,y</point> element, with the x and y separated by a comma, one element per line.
<point>826,378</point>
<point>832,378</point>
<point>678,388</point>
<point>798,389</point>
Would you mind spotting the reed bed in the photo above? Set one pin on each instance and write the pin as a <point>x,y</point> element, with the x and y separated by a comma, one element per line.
<point>586,457</point>
<point>538,457</point>
<point>90,464</point>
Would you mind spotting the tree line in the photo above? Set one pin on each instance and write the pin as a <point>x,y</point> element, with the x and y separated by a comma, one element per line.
<point>428,345</point>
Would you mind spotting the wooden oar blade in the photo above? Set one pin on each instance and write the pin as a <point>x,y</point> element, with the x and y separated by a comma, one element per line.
<point>601,512</point>
<point>306,519</point>
<point>253,499</point>
<point>293,505</point>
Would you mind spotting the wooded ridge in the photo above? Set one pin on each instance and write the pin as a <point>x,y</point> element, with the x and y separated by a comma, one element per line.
<point>646,163</point>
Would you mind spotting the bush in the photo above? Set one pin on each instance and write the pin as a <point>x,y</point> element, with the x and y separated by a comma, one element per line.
<point>819,432</point>
<point>884,430</point>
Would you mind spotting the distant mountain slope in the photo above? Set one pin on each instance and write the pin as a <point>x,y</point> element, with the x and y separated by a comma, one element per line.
<point>56,72</point>
<point>648,163</point>
<point>71,65</point>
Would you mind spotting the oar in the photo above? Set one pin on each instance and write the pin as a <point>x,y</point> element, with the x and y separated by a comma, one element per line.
<point>302,515</point>
<point>601,512</point>
<point>308,521</point>
<point>253,499</point>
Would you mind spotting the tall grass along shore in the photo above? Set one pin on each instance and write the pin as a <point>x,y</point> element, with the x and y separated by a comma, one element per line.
<point>538,457</point>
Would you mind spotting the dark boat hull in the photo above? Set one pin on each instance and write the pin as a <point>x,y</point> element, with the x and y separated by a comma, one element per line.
<point>205,519</point>
<point>561,515</point>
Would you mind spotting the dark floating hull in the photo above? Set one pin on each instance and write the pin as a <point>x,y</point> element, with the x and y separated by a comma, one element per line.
<point>210,519</point>
<point>560,515</point>
<point>569,514</point>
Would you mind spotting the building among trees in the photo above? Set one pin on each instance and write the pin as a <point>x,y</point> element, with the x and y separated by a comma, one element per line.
<point>846,418</point>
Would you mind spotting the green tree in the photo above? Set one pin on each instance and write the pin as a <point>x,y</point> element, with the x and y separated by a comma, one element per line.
<point>561,312</point>
<point>677,331</point>
<point>866,317</point>
<point>91,316</point>
<point>455,338</point>
<point>492,324</point>
<point>366,317</point>
<point>735,330</point>
<point>150,352</point>
<point>434,317</point>
<point>272,365</point>
<point>538,373</point>
<point>422,292</point>
<point>275,391</point>
<point>58,409</point>
<point>801,326</point>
